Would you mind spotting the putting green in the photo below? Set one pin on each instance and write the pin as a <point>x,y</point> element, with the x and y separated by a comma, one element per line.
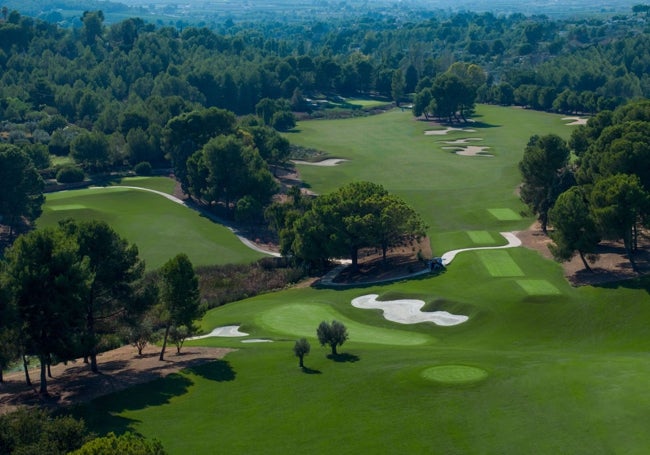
<point>505,214</point>
<point>454,374</point>
<point>301,320</point>
<point>538,287</point>
<point>480,237</point>
<point>499,263</point>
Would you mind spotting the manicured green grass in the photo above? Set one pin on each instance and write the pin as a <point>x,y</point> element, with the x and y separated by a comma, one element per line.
<point>480,237</point>
<point>159,227</point>
<point>504,214</point>
<point>163,184</point>
<point>540,366</point>
<point>499,263</point>
<point>298,320</point>
<point>538,287</point>
<point>450,191</point>
<point>454,374</point>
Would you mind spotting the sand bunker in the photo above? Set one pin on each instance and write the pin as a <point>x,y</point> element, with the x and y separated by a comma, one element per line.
<point>446,130</point>
<point>327,162</point>
<point>257,340</point>
<point>575,120</point>
<point>470,150</point>
<point>407,311</point>
<point>463,141</point>
<point>225,331</point>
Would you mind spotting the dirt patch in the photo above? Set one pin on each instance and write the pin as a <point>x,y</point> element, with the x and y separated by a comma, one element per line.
<point>119,369</point>
<point>612,263</point>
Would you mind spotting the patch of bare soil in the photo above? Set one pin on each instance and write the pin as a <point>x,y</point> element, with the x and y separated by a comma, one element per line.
<point>611,264</point>
<point>119,369</point>
<point>400,262</point>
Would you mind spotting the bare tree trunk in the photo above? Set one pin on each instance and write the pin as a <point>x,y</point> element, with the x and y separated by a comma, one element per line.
<point>49,366</point>
<point>25,363</point>
<point>43,389</point>
<point>584,261</point>
<point>164,346</point>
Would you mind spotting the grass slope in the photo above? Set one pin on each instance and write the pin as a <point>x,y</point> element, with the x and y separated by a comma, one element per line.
<point>540,367</point>
<point>159,227</point>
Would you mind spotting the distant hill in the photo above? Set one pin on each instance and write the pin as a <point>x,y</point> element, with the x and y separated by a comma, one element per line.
<point>202,12</point>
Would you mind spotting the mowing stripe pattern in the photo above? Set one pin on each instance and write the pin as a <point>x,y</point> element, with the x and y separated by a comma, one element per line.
<point>499,263</point>
<point>504,214</point>
<point>538,287</point>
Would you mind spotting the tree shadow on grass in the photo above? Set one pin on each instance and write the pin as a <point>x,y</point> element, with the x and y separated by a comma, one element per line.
<point>344,357</point>
<point>308,370</point>
<point>102,414</point>
<point>219,371</point>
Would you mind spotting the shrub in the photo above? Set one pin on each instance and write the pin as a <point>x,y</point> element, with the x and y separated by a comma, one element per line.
<point>70,174</point>
<point>143,168</point>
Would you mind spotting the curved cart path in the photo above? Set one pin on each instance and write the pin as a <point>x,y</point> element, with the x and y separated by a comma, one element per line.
<point>513,241</point>
<point>213,217</point>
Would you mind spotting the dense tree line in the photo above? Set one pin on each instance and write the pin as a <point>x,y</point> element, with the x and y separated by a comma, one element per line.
<point>208,101</point>
<point>604,193</point>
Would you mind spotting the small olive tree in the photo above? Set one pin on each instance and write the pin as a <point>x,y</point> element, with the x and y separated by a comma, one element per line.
<point>333,334</point>
<point>301,349</point>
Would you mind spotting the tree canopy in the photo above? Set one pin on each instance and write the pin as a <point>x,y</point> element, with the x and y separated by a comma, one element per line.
<point>357,215</point>
<point>545,174</point>
<point>179,296</point>
<point>21,187</point>
<point>333,334</point>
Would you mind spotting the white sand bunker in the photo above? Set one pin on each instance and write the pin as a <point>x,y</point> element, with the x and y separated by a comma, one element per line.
<point>407,311</point>
<point>225,331</point>
<point>447,130</point>
<point>575,120</point>
<point>470,150</point>
<point>327,162</point>
<point>463,141</point>
<point>257,340</point>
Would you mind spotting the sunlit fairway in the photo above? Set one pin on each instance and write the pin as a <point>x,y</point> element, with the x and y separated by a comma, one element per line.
<point>298,320</point>
<point>539,367</point>
<point>451,192</point>
<point>159,227</point>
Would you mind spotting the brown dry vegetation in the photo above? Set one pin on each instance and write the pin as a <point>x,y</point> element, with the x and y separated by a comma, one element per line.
<point>612,263</point>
